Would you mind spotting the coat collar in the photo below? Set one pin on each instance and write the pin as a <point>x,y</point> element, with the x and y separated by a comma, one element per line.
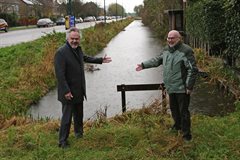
<point>174,48</point>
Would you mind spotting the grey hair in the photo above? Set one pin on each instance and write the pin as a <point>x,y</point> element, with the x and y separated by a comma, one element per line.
<point>73,29</point>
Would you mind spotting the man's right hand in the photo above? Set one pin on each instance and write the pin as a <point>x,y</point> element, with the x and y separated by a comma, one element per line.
<point>69,96</point>
<point>139,67</point>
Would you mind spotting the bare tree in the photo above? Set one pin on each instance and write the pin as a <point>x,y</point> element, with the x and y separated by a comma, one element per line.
<point>89,9</point>
<point>46,8</point>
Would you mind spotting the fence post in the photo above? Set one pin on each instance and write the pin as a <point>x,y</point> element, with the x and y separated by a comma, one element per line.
<point>164,100</point>
<point>123,94</point>
<point>123,101</point>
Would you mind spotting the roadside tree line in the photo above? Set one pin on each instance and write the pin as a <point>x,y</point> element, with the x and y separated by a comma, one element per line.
<point>30,14</point>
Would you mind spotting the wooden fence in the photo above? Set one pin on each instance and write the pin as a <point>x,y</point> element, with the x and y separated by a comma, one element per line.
<point>138,87</point>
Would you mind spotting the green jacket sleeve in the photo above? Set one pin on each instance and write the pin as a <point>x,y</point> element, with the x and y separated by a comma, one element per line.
<point>154,62</point>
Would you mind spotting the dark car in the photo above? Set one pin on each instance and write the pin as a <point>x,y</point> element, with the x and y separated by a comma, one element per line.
<point>3,25</point>
<point>60,21</point>
<point>45,22</point>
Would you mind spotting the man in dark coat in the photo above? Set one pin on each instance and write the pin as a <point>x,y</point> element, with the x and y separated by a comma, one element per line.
<point>69,68</point>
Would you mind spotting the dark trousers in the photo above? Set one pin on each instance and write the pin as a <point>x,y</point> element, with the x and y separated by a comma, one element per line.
<point>69,111</point>
<point>179,103</point>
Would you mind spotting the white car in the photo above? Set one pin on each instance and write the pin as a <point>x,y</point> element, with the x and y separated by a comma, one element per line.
<point>45,22</point>
<point>101,18</point>
<point>78,20</point>
<point>89,19</point>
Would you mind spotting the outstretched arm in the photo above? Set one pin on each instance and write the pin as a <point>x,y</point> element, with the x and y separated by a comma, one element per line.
<point>154,62</point>
<point>107,59</point>
<point>139,67</point>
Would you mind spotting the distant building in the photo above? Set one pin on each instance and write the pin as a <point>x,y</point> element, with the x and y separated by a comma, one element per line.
<point>9,6</point>
<point>31,8</point>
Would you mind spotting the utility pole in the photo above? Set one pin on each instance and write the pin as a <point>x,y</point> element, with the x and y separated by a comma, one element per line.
<point>116,10</point>
<point>69,7</point>
<point>104,12</point>
<point>96,9</point>
<point>122,9</point>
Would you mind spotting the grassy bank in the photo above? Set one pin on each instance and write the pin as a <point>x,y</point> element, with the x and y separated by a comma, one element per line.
<point>218,72</point>
<point>26,70</point>
<point>136,135</point>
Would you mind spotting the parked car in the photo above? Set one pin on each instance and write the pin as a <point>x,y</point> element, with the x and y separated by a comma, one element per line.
<point>89,19</point>
<point>60,21</point>
<point>101,18</point>
<point>45,22</point>
<point>78,20</point>
<point>3,25</point>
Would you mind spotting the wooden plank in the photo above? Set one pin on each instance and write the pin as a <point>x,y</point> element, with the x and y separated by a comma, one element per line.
<point>139,87</point>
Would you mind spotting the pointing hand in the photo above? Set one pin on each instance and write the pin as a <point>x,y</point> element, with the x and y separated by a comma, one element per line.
<point>106,59</point>
<point>139,67</point>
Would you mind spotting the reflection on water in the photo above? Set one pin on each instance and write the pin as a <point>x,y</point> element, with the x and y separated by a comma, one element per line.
<point>127,49</point>
<point>208,99</point>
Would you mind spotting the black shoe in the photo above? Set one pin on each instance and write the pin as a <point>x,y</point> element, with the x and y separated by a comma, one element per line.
<point>187,138</point>
<point>63,145</point>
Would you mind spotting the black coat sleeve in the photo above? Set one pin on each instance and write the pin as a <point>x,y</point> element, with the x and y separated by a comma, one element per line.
<point>89,59</point>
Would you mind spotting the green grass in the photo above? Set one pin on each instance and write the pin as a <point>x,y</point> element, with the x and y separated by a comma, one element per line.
<point>142,134</point>
<point>26,73</point>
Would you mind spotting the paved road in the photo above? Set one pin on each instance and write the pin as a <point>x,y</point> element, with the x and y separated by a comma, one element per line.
<point>15,37</point>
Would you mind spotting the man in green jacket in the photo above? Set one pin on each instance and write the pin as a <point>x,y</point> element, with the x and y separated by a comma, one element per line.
<point>179,75</point>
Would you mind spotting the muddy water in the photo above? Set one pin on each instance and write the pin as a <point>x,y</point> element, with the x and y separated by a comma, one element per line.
<point>131,46</point>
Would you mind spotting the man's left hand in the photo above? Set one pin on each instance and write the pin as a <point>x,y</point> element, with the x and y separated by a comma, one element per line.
<point>107,59</point>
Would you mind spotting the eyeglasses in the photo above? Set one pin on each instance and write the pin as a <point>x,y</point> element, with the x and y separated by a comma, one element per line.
<point>76,39</point>
<point>171,38</point>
